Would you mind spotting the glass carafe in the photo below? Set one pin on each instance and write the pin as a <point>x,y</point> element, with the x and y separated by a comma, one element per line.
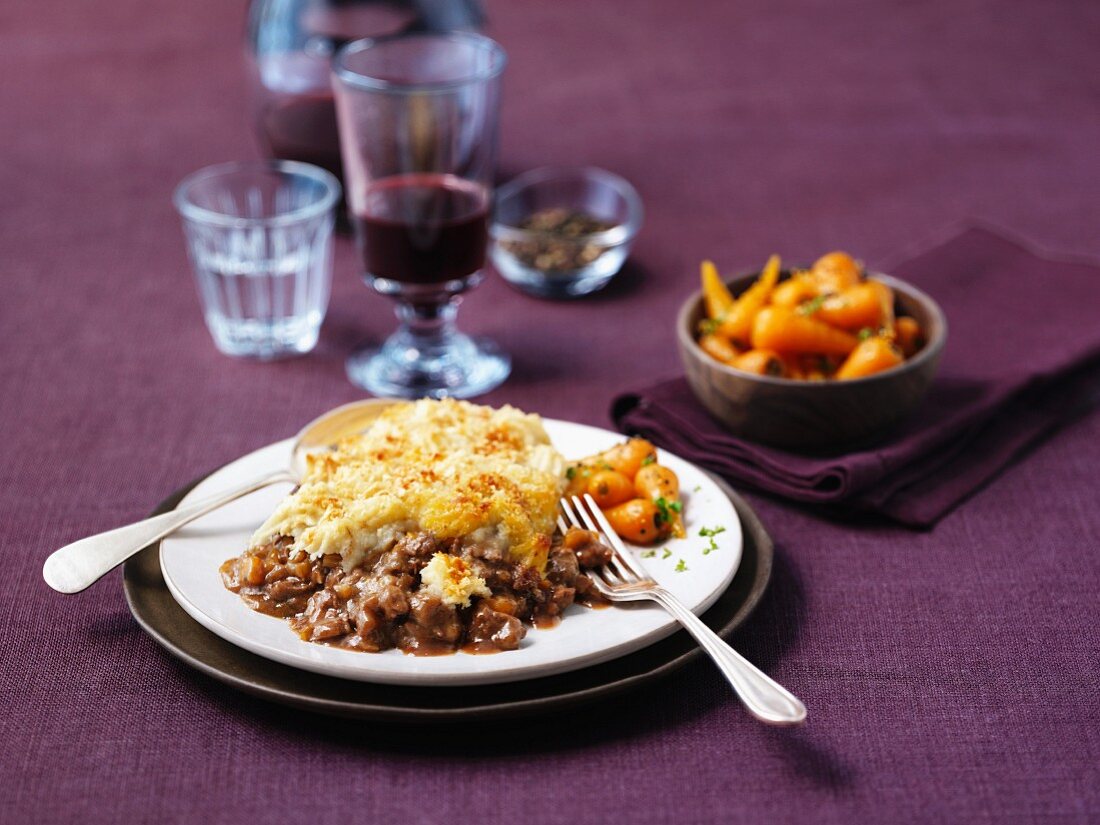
<point>290,47</point>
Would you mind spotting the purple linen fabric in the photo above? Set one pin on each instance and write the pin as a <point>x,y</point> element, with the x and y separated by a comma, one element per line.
<point>950,675</point>
<point>1020,362</point>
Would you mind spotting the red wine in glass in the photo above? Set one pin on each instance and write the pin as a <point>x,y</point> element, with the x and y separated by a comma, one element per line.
<point>304,128</point>
<point>423,229</point>
<point>417,117</point>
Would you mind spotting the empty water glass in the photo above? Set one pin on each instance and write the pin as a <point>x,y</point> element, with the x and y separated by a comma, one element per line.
<point>259,235</point>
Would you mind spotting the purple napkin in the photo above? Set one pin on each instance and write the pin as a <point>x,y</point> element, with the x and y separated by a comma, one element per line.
<point>1022,358</point>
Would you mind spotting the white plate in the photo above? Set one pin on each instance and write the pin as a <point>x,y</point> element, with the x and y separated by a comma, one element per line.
<point>190,559</point>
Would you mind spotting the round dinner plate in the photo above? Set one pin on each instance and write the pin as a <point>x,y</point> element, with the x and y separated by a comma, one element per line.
<point>158,614</point>
<point>689,567</point>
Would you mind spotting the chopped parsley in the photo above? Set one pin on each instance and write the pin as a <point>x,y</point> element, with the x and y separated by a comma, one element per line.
<point>866,333</point>
<point>666,554</point>
<point>709,533</point>
<point>571,473</point>
<point>681,566</point>
<point>665,509</point>
<point>811,306</point>
<point>648,554</point>
<point>698,488</point>
<point>709,326</point>
<point>649,459</point>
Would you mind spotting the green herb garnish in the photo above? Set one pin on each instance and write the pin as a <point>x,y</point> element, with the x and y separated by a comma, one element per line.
<point>649,459</point>
<point>648,554</point>
<point>681,566</point>
<point>571,473</point>
<point>709,533</point>
<point>698,488</point>
<point>865,333</point>
<point>811,306</point>
<point>666,554</point>
<point>709,326</point>
<point>665,509</point>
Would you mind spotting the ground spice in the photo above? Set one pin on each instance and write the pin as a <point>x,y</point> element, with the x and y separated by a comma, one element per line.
<point>562,245</point>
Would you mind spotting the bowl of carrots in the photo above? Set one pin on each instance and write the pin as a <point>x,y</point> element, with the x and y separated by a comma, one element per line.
<point>819,359</point>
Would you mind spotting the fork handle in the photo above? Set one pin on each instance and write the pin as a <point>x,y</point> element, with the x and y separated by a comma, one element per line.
<point>765,699</point>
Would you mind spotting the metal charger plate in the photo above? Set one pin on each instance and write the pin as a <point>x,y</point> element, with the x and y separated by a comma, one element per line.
<point>163,619</point>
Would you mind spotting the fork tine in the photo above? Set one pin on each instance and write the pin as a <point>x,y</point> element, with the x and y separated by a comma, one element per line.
<point>592,511</point>
<point>568,510</point>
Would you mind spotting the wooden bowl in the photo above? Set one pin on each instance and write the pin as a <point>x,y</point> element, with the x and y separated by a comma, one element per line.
<point>813,415</point>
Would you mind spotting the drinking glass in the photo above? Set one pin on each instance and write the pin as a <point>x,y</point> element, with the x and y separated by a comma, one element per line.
<point>259,235</point>
<point>418,120</point>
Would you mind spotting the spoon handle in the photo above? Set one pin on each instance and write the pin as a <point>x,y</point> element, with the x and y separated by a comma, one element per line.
<point>82,563</point>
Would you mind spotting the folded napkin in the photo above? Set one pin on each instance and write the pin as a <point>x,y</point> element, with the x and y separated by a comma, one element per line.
<point>1022,358</point>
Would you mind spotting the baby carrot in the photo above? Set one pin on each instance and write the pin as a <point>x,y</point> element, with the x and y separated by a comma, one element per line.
<point>835,272</point>
<point>716,295</point>
<point>859,306</point>
<point>872,355</point>
<point>794,291</point>
<point>718,347</point>
<point>737,325</point>
<point>910,337</point>
<point>784,330</point>
<point>760,362</point>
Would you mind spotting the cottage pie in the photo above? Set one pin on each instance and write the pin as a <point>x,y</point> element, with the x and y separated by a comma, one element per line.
<point>432,531</point>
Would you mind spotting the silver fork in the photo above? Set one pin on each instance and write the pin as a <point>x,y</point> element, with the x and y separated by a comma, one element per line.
<point>624,580</point>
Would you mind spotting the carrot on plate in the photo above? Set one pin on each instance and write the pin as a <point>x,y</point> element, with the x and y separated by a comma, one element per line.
<point>639,521</point>
<point>872,355</point>
<point>786,331</point>
<point>629,457</point>
<point>609,488</point>
<point>737,325</point>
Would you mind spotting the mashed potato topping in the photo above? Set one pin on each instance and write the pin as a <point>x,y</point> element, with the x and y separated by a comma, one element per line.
<point>452,580</point>
<point>450,468</point>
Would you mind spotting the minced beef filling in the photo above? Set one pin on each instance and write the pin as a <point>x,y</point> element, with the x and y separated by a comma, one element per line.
<point>380,605</point>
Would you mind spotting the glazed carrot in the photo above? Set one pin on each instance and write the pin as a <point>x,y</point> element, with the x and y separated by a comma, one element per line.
<point>661,485</point>
<point>716,295</point>
<point>609,488</point>
<point>784,330</point>
<point>760,362</point>
<point>872,355</point>
<point>638,520</point>
<point>858,307</point>
<point>718,347</point>
<point>737,325</point>
<point>886,295</point>
<point>794,291</point>
<point>792,366</point>
<point>627,458</point>
<point>910,337</point>
<point>835,272</point>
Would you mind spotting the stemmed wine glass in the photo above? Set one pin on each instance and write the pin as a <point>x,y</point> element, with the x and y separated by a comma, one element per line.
<point>418,120</point>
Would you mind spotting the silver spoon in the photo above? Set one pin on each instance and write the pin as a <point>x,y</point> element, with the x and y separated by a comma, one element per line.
<point>82,563</point>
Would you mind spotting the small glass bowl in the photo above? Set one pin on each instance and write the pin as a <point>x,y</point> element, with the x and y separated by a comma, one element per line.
<point>596,257</point>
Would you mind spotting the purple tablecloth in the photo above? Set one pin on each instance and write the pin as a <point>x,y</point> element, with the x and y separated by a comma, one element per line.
<point>950,676</point>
